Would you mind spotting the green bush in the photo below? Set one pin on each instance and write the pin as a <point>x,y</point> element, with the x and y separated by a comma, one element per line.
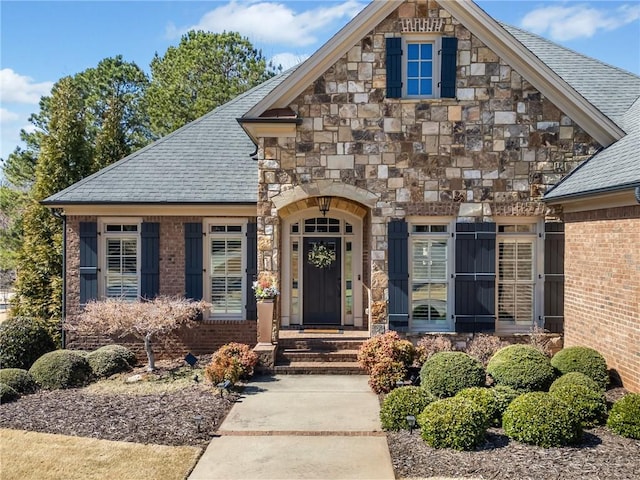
<point>7,394</point>
<point>446,373</point>
<point>504,396</point>
<point>589,405</point>
<point>584,360</point>
<point>18,379</point>
<point>401,402</point>
<point>485,398</point>
<point>540,418</point>
<point>624,418</point>
<point>110,359</point>
<point>61,369</point>
<point>22,341</point>
<point>521,367</point>
<point>386,358</point>
<point>575,378</point>
<point>454,422</point>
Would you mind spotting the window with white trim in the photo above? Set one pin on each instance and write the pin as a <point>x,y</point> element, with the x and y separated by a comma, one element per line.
<point>226,269</point>
<point>420,67</point>
<point>121,260</point>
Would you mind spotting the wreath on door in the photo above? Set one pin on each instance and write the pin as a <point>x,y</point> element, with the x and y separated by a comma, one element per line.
<point>320,256</point>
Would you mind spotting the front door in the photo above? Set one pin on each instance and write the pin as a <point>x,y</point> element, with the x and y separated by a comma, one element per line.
<point>321,281</point>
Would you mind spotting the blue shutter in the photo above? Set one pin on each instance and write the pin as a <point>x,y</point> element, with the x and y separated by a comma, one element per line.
<point>193,268</point>
<point>88,262</point>
<point>448,59</point>
<point>475,277</point>
<point>150,260</point>
<point>394,67</point>
<point>398,241</point>
<point>554,277</point>
<point>252,269</point>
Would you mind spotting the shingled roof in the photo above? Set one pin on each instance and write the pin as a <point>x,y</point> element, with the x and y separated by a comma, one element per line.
<point>208,161</point>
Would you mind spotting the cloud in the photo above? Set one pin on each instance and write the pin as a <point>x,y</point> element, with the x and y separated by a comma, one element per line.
<point>272,22</point>
<point>7,116</point>
<point>288,60</point>
<point>564,23</point>
<point>18,88</point>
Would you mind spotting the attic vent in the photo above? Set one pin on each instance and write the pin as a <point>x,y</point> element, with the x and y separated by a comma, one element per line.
<point>422,25</point>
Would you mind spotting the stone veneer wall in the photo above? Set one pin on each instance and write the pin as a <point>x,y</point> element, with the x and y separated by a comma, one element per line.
<point>493,151</point>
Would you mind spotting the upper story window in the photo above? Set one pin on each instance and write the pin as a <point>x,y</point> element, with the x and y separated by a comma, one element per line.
<point>419,69</point>
<point>122,259</point>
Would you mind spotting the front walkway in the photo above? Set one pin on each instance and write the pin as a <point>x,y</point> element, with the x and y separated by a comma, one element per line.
<point>300,426</point>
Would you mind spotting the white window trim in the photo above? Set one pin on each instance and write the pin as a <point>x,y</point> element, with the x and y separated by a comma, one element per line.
<point>102,247</point>
<point>437,62</point>
<point>206,257</point>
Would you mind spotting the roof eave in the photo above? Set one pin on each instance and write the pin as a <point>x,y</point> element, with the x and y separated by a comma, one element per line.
<point>590,193</point>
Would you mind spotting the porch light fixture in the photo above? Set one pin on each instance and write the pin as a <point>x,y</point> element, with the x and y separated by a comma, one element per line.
<point>411,421</point>
<point>324,203</point>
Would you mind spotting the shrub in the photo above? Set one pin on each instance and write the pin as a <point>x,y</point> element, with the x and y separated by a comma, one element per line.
<point>223,368</point>
<point>18,379</point>
<point>110,359</point>
<point>446,373</point>
<point>504,396</point>
<point>482,347</point>
<point>453,423</point>
<point>521,367</point>
<point>386,358</point>
<point>430,345</point>
<point>541,419</point>
<point>61,369</point>
<point>7,394</point>
<point>589,405</point>
<point>538,339</point>
<point>624,418</point>
<point>485,398</point>
<point>575,378</point>
<point>22,341</point>
<point>584,360</point>
<point>401,402</point>
<point>247,358</point>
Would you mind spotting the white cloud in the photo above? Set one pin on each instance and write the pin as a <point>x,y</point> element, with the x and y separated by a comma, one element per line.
<point>7,116</point>
<point>563,23</point>
<point>272,22</point>
<point>288,60</point>
<point>16,88</point>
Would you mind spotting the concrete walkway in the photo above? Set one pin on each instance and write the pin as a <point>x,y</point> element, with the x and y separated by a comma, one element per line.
<point>300,427</point>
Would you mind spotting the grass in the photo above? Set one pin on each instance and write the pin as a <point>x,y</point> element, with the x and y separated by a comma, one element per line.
<point>43,456</point>
<point>151,383</point>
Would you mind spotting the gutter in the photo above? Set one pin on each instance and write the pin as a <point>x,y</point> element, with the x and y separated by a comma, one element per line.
<point>598,191</point>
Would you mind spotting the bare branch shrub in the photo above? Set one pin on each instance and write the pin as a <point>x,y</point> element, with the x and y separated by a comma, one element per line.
<point>538,339</point>
<point>144,320</point>
<point>482,347</point>
<point>430,344</point>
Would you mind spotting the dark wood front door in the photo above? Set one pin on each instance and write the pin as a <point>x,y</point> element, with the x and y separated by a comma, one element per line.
<point>322,285</point>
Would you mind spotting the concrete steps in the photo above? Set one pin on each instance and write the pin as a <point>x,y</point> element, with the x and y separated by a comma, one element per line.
<point>320,355</point>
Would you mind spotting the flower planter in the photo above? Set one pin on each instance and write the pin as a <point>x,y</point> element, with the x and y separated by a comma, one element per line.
<point>265,321</point>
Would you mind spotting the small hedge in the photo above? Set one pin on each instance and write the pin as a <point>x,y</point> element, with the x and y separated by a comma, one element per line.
<point>504,396</point>
<point>485,398</point>
<point>22,341</point>
<point>539,418</point>
<point>575,378</point>
<point>386,358</point>
<point>7,394</point>
<point>521,367</point>
<point>589,405</point>
<point>584,360</point>
<point>446,373</point>
<point>401,402</point>
<point>61,369</point>
<point>247,358</point>
<point>454,422</point>
<point>624,418</point>
<point>110,359</point>
<point>18,379</point>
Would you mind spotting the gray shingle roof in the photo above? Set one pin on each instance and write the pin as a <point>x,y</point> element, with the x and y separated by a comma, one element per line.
<point>206,161</point>
<point>610,89</point>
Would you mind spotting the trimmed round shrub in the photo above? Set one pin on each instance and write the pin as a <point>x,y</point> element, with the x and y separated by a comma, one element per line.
<point>454,422</point>
<point>624,418</point>
<point>7,394</point>
<point>504,396</point>
<point>243,353</point>
<point>446,373</point>
<point>61,369</point>
<point>110,359</point>
<point>584,360</point>
<point>589,405</point>
<point>401,402</point>
<point>386,358</point>
<point>22,341</point>
<point>485,398</point>
<point>539,418</point>
<point>521,367</point>
<point>386,374</point>
<point>18,379</point>
<point>575,378</point>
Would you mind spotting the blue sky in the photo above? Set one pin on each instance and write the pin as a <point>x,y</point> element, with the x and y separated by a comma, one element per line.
<point>44,41</point>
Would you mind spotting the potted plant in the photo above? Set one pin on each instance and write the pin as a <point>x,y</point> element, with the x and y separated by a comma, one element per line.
<point>266,291</point>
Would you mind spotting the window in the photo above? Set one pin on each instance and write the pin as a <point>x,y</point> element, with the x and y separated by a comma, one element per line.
<point>419,68</point>
<point>226,268</point>
<point>121,247</point>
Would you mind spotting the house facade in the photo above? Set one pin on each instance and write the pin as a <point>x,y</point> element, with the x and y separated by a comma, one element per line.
<point>394,180</point>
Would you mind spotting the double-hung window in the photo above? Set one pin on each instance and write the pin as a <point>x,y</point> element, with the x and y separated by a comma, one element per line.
<point>226,269</point>
<point>121,263</point>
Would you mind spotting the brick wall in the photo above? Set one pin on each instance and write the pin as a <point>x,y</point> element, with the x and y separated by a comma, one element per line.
<point>602,289</point>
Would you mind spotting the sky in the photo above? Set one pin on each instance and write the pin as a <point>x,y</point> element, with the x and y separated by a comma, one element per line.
<point>43,41</point>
